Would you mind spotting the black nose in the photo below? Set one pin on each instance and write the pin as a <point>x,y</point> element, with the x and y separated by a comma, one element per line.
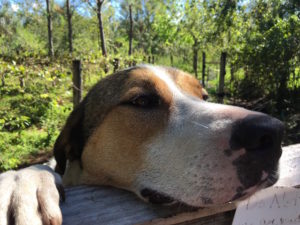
<point>257,133</point>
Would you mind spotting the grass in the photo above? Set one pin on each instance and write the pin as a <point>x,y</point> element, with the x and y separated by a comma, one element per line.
<point>15,147</point>
<point>31,114</point>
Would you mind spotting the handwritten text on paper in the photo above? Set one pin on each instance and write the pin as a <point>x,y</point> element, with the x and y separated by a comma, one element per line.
<point>271,206</point>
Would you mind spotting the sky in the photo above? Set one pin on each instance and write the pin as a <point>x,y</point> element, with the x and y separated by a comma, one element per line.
<point>82,10</point>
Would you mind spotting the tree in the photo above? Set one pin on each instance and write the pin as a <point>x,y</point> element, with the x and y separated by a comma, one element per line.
<point>130,30</point>
<point>100,24</point>
<point>147,20</point>
<point>50,37</point>
<point>196,26</point>
<point>97,8</point>
<point>70,31</point>
<point>222,76</point>
<point>271,47</point>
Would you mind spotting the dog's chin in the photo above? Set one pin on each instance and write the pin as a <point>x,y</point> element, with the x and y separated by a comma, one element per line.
<point>156,197</point>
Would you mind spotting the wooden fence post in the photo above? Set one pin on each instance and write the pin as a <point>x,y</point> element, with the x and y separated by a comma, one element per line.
<point>207,75</point>
<point>222,77</point>
<point>116,63</point>
<point>195,58</point>
<point>203,69</point>
<point>77,82</point>
<point>3,79</point>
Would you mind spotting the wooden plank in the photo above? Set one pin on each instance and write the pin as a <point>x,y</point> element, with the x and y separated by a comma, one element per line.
<point>106,205</point>
<point>204,214</point>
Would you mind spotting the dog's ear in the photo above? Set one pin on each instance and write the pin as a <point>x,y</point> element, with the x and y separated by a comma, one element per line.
<point>69,144</point>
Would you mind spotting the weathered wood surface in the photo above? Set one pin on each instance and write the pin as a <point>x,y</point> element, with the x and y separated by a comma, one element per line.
<point>105,205</point>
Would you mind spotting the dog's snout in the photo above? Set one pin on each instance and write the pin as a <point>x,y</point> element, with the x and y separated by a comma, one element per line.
<point>257,133</point>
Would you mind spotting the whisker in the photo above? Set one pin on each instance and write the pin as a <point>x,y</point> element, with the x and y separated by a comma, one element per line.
<point>199,124</point>
<point>194,122</point>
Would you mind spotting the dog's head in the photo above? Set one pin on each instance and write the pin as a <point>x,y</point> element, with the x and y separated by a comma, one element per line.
<point>148,129</point>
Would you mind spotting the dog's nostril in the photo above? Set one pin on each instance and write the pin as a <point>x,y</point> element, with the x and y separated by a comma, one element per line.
<point>257,133</point>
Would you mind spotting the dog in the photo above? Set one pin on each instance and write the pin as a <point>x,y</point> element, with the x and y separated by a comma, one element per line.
<point>149,130</point>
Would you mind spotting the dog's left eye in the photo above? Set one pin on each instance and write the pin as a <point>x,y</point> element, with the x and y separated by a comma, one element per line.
<point>145,101</point>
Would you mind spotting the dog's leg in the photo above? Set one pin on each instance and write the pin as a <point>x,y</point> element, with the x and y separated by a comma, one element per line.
<point>30,196</point>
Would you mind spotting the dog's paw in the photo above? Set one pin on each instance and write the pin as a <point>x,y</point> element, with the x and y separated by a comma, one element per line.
<point>30,196</point>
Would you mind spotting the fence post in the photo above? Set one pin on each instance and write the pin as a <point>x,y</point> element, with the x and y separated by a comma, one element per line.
<point>3,79</point>
<point>116,63</point>
<point>203,69</point>
<point>77,82</point>
<point>222,77</point>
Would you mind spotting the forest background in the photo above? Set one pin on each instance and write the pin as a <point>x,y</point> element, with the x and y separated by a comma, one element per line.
<point>244,52</point>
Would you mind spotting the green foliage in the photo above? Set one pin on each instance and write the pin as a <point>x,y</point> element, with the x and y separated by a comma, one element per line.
<point>271,49</point>
<point>16,146</point>
<point>32,111</point>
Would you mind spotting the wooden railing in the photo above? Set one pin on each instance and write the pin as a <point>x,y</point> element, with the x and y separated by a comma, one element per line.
<point>105,205</point>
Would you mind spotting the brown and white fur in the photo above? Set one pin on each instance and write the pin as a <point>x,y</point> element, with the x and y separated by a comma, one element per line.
<point>148,129</point>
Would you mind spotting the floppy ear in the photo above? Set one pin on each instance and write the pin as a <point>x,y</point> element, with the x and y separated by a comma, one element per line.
<point>69,144</point>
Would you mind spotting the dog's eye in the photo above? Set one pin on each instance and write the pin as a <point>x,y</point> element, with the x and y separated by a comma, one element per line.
<point>145,101</point>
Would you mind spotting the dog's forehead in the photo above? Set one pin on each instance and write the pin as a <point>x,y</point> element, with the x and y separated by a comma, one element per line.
<point>163,80</point>
<point>123,85</point>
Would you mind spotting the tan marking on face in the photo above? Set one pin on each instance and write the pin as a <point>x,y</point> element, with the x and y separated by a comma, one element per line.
<point>187,83</point>
<point>115,152</point>
<point>142,80</point>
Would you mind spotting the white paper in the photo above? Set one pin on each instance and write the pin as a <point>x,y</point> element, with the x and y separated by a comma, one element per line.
<point>271,206</point>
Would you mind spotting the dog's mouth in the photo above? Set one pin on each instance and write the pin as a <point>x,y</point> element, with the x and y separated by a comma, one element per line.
<point>266,181</point>
<point>159,198</point>
<point>156,197</point>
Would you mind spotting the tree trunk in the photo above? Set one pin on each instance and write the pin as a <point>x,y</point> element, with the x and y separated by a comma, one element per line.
<point>70,32</point>
<point>195,57</point>
<point>207,75</point>
<point>222,76</point>
<point>3,80</point>
<point>282,92</point>
<point>153,59</point>
<point>172,59</point>
<point>130,30</point>
<point>203,69</point>
<point>294,79</point>
<point>231,73</point>
<point>50,38</point>
<point>246,72</point>
<point>22,83</point>
<point>101,31</point>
